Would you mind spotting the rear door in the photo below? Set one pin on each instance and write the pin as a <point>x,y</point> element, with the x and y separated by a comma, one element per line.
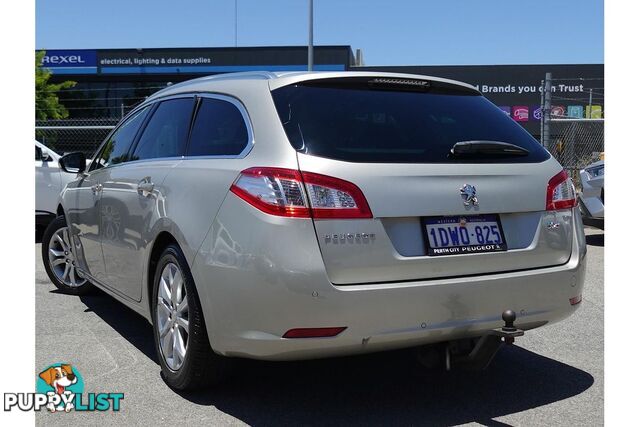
<point>434,214</point>
<point>220,138</point>
<point>133,194</point>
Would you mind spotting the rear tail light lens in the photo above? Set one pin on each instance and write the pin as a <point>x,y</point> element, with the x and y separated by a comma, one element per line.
<point>335,198</point>
<point>561,194</point>
<point>273,190</point>
<point>595,171</point>
<point>282,192</point>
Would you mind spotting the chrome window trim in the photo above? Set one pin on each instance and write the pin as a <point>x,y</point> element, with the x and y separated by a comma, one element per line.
<point>228,98</point>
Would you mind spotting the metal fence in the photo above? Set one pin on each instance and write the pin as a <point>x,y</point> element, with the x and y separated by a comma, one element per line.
<point>64,136</point>
<point>576,143</point>
<point>572,121</point>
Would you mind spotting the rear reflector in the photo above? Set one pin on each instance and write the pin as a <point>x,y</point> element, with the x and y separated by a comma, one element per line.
<point>313,332</point>
<point>561,194</point>
<point>575,300</point>
<point>290,193</point>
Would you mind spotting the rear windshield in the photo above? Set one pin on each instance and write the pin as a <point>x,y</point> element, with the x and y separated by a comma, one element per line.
<point>354,120</point>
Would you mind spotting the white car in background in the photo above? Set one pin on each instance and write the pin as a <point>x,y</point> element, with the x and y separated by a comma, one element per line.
<point>50,180</point>
<point>591,199</point>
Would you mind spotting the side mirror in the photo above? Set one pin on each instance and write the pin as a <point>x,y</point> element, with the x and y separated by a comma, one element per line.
<point>45,157</point>
<point>73,162</point>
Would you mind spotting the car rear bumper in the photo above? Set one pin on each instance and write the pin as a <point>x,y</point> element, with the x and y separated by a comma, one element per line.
<point>592,197</point>
<point>595,204</point>
<point>591,207</point>
<point>250,301</point>
<point>381,317</point>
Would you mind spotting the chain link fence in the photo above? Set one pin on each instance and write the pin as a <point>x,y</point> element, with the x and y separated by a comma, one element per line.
<point>572,121</point>
<point>64,136</point>
<point>576,143</point>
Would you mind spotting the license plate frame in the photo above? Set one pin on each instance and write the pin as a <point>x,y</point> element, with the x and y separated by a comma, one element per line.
<point>462,249</point>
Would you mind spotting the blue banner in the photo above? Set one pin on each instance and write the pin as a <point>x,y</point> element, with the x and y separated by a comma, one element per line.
<point>71,61</point>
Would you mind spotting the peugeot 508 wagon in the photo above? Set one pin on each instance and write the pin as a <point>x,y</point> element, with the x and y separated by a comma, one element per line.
<point>286,216</point>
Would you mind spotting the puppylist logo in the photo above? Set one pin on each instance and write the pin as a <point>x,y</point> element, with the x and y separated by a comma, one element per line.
<point>59,388</point>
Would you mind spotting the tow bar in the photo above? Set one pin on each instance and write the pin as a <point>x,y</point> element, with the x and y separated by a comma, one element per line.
<point>486,347</point>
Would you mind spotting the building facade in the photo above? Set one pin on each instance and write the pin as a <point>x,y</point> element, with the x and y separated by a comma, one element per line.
<point>112,81</point>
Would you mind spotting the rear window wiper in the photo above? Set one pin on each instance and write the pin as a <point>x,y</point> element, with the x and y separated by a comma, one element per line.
<point>483,148</point>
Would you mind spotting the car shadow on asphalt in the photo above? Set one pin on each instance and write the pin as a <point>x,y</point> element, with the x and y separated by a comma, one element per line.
<point>382,388</point>
<point>129,324</point>
<point>595,239</point>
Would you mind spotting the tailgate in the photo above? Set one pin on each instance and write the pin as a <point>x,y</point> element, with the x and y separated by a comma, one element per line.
<point>410,145</point>
<point>401,195</point>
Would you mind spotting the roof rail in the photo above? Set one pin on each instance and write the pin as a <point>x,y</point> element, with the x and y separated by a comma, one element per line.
<point>262,75</point>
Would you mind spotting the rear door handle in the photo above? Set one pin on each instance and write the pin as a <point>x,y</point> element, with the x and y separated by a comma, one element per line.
<point>96,188</point>
<point>145,187</point>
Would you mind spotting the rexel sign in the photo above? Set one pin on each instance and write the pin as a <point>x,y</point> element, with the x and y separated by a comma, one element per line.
<point>70,61</point>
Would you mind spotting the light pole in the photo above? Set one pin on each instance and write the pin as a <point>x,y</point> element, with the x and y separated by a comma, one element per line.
<point>310,49</point>
<point>546,112</point>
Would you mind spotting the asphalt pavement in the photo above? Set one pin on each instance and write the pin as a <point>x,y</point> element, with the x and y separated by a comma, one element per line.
<point>552,376</point>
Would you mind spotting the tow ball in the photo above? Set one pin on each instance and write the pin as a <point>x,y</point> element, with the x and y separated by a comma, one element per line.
<point>508,331</point>
<point>486,347</point>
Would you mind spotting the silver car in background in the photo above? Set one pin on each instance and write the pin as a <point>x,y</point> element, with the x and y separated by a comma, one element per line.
<point>591,198</point>
<point>288,216</point>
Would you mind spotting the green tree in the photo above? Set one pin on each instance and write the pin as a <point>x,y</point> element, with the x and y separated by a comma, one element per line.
<point>48,105</point>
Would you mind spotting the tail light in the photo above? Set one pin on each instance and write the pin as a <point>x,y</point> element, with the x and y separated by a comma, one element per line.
<point>561,194</point>
<point>273,190</point>
<point>290,193</point>
<point>334,198</point>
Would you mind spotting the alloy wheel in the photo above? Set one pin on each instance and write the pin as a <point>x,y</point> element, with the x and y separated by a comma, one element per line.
<point>62,260</point>
<point>173,316</point>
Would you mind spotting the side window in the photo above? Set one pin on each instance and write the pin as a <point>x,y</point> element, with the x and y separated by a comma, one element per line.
<point>166,133</point>
<point>38,153</point>
<point>219,129</point>
<point>116,149</point>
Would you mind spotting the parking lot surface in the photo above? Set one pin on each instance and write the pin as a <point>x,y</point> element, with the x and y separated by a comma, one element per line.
<point>552,376</point>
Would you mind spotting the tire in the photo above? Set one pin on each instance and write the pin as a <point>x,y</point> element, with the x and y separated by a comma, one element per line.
<point>59,260</point>
<point>198,366</point>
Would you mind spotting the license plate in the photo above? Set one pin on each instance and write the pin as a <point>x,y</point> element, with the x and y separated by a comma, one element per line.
<point>458,235</point>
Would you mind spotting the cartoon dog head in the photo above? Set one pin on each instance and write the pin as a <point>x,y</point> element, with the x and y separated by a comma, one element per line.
<point>59,377</point>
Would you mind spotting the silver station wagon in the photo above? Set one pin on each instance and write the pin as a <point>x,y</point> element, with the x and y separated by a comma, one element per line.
<point>286,216</point>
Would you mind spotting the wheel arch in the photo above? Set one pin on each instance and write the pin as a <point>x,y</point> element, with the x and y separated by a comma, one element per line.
<point>165,232</point>
<point>162,240</point>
